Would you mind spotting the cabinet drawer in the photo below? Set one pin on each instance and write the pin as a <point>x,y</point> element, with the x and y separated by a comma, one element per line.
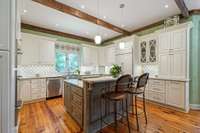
<point>77,90</point>
<point>156,96</point>
<point>157,85</point>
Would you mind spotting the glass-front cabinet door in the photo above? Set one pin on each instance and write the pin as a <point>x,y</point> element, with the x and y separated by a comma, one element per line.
<point>148,50</point>
<point>143,52</point>
<point>152,51</point>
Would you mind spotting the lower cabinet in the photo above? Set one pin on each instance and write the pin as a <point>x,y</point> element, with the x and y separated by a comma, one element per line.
<point>173,93</point>
<point>32,89</point>
<point>73,101</point>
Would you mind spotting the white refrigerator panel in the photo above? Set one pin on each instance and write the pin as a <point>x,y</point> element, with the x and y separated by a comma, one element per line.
<point>4,91</point>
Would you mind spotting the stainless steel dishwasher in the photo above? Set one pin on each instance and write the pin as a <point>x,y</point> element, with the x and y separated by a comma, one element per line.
<point>54,87</point>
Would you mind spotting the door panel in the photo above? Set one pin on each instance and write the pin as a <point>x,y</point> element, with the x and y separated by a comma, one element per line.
<point>4,24</point>
<point>4,91</point>
<point>164,42</point>
<point>179,39</point>
<point>164,66</point>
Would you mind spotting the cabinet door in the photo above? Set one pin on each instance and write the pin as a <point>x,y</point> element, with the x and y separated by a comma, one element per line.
<point>101,56</point>
<point>177,62</point>
<point>164,66</point>
<point>125,61</point>
<point>110,56</point>
<point>46,51</point>
<point>179,39</point>
<point>143,51</point>
<point>164,42</point>
<point>175,94</point>
<point>152,56</point>
<point>4,24</point>
<point>25,90</point>
<point>4,89</point>
<point>30,50</point>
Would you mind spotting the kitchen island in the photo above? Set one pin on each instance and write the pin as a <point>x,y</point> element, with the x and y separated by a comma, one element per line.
<point>82,101</point>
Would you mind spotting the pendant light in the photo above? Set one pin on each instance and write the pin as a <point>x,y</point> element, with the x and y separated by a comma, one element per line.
<point>122,44</point>
<point>98,38</point>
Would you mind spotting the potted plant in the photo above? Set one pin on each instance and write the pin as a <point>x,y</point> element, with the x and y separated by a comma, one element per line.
<point>115,70</point>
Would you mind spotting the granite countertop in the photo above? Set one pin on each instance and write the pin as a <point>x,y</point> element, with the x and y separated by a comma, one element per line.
<point>39,77</point>
<point>75,82</point>
<point>100,79</point>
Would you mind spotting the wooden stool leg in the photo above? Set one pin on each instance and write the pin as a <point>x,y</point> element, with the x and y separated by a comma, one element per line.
<point>144,108</point>
<point>127,116</point>
<point>136,113</point>
<point>101,115</point>
<point>115,110</point>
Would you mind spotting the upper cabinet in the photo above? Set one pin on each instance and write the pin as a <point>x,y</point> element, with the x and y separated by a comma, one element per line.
<point>89,56</point>
<point>5,24</point>
<point>148,49</point>
<point>110,58</point>
<point>173,52</point>
<point>37,50</point>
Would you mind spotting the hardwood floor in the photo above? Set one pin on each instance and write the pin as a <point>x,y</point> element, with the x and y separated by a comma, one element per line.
<point>50,117</point>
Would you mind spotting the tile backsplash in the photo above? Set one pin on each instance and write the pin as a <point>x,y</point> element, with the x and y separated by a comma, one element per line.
<point>153,70</point>
<point>32,70</point>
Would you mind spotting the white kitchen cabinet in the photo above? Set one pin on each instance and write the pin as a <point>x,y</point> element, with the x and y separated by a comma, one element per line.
<point>46,51</point>
<point>5,24</point>
<point>173,60</point>
<point>89,56</point>
<point>164,65</point>
<point>125,61</point>
<point>25,90</point>
<point>101,56</point>
<point>37,50</point>
<point>30,49</point>
<point>148,49</point>
<point>175,94</point>
<point>178,65</point>
<point>32,89</point>
<point>164,42</point>
<point>110,57</point>
<point>178,39</point>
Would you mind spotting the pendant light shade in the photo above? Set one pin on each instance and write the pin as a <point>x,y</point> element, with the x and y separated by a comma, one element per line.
<point>97,39</point>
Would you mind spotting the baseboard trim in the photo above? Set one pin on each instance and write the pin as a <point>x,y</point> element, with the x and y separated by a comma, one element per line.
<point>195,106</point>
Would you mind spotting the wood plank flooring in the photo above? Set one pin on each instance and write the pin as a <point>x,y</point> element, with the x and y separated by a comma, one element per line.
<point>50,117</point>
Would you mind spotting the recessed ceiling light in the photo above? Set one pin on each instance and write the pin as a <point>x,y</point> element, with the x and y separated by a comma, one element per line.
<point>25,11</point>
<point>87,32</point>
<point>166,6</point>
<point>104,17</point>
<point>57,25</point>
<point>122,25</point>
<point>83,6</point>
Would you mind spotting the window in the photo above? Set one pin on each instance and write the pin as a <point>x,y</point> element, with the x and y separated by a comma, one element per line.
<point>67,59</point>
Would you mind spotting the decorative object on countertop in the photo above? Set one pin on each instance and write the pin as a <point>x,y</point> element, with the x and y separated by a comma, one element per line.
<point>115,70</point>
<point>171,21</point>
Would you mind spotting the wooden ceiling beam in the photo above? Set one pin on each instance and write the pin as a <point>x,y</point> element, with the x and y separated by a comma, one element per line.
<point>53,32</point>
<point>79,14</point>
<point>183,8</point>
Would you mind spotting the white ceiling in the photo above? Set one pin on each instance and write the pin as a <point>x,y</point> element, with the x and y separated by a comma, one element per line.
<point>136,14</point>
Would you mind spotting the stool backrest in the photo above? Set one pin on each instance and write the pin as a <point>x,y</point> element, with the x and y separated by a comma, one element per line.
<point>123,83</point>
<point>142,80</point>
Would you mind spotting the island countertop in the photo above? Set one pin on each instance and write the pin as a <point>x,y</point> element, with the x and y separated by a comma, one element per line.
<point>99,79</point>
<point>75,82</point>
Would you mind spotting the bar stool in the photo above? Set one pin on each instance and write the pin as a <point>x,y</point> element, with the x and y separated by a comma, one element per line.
<point>139,89</point>
<point>118,95</point>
